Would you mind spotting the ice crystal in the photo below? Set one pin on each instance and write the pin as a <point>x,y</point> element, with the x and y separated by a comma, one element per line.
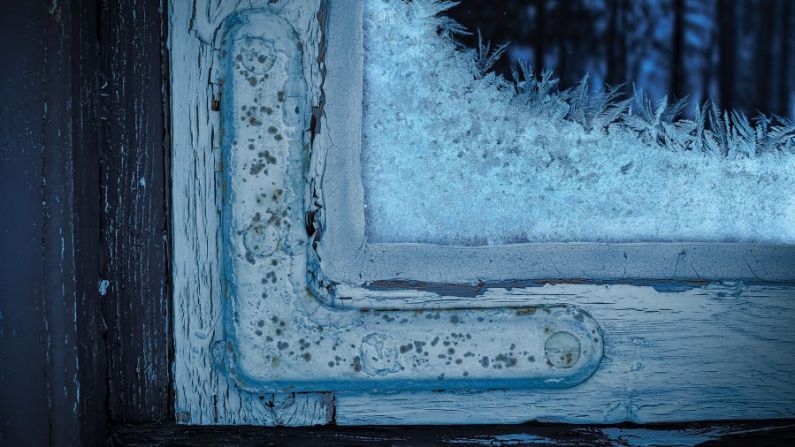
<point>456,154</point>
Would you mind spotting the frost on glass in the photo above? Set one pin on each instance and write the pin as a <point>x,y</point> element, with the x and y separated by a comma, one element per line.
<point>455,154</point>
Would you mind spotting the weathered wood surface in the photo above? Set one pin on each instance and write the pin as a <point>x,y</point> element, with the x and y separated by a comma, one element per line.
<point>204,392</point>
<point>134,233</point>
<point>746,433</point>
<point>24,348</point>
<point>51,354</point>
<point>50,326</point>
<point>92,353</point>
<point>712,352</point>
<point>673,352</point>
<point>686,350</point>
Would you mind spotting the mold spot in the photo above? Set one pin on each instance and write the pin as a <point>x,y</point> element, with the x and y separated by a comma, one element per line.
<point>270,159</point>
<point>357,364</point>
<point>257,167</point>
<point>282,345</point>
<point>257,55</point>
<point>507,360</point>
<point>262,239</point>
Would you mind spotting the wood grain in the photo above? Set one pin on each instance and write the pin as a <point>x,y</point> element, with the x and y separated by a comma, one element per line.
<point>23,351</point>
<point>740,433</point>
<point>52,373</point>
<point>722,351</point>
<point>204,392</point>
<point>674,350</point>
<point>134,233</point>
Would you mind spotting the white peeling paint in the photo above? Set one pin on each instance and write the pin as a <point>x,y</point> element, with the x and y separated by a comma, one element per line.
<point>103,287</point>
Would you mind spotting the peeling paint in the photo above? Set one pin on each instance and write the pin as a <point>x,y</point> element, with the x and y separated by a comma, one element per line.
<point>372,343</point>
<point>295,325</point>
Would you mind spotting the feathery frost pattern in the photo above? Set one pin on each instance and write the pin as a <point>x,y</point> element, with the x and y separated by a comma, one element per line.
<point>456,154</point>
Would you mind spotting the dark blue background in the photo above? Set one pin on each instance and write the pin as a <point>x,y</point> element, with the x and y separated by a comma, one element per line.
<point>737,52</point>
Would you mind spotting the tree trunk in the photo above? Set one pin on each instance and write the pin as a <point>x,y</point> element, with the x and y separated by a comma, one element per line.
<point>563,22</point>
<point>616,44</point>
<point>726,50</point>
<point>708,51</point>
<point>540,35</point>
<point>678,74</point>
<point>764,53</point>
<point>784,94</point>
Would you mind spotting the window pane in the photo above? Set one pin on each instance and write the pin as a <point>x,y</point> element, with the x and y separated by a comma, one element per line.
<point>463,145</point>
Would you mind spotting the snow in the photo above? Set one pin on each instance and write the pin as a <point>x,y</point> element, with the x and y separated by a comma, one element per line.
<point>451,155</point>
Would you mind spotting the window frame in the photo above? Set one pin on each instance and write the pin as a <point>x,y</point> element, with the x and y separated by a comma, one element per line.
<point>207,391</point>
<point>367,269</point>
<point>123,391</point>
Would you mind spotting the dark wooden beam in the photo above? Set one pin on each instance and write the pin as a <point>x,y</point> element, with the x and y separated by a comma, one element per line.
<point>23,351</point>
<point>51,355</point>
<point>739,433</point>
<point>134,221</point>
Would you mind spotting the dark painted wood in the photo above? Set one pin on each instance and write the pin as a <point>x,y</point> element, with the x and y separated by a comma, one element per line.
<point>52,372</point>
<point>743,434</point>
<point>170,435</point>
<point>58,238</point>
<point>134,233</point>
<point>23,350</point>
<point>87,211</point>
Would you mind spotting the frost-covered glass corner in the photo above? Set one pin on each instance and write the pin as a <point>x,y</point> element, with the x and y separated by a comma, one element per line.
<point>455,154</point>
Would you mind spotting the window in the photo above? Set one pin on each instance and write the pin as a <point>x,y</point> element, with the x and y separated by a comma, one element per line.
<point>634,256</point>
<point>305,283</point>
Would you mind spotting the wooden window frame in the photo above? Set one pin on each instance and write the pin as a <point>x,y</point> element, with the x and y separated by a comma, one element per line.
<point>347,257</point>
<point>112,345</point>
<point>682,291</point>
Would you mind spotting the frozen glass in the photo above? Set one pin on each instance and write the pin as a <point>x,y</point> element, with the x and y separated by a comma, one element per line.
<point>456,151</point>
